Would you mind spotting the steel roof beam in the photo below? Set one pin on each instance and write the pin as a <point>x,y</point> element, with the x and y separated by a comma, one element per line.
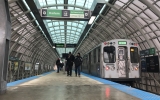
<point>68,5</point>
<point>64,30</point>
<point>36,13</point>
<point>131,20</point>
<point>19,15</point>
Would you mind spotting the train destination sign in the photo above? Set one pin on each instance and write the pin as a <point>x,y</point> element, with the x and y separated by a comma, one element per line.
<point>69,14</point>
<point>122,42</point>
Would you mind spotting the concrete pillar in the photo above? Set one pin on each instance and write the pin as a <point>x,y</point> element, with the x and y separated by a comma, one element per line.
<point>5,32</point>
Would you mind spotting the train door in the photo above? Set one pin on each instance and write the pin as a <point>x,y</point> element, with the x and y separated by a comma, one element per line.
<point>109,58</point>
<point>134,63</point>
<point>122,62</point>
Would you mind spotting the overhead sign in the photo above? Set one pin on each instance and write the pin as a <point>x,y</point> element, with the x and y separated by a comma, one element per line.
<point>59,45</point>
<point>70,45</point>
<point>13,58</point>
<point>146,52</point>
<point>65,45</point>
<point>142,53</point>
<point>67,14</point>
<point>152,51</point>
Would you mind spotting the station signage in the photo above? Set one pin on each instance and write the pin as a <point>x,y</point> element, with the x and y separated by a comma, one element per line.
<point>59,45</point>
<point>61,14</point>
<point>147,52</point>
<point>152,64</point>
<point>13,58</point>
<point>65,45</point>
<point>152,51</point>
<point>28,66</point>
<point>70,45</point>
<point>143,65</point>
<point>142,53</point>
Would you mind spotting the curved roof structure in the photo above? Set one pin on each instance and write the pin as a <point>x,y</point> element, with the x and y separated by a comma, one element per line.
<point>32,39</point>
<point>134,19</point>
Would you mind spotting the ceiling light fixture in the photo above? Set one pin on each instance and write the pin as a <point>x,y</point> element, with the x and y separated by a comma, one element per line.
<point>91,19</point>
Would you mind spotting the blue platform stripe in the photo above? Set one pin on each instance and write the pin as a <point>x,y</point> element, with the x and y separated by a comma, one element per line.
<point>129,90</point>
<point>26,79</point>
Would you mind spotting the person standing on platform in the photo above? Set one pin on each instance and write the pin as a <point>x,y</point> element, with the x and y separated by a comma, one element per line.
<point>70,60</point>
<point>58,64</point>
<point>78,62</point>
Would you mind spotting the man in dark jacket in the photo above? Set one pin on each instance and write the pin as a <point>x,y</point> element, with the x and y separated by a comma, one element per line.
<point>58,64</point>
<point>78,62</point>
<point>70,60</point>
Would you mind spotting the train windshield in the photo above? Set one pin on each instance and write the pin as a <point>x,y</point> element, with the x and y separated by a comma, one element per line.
<point>109,54</point>
<point>134,54</point>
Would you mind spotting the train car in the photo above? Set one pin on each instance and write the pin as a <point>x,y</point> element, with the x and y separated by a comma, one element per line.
<point>116,60</point>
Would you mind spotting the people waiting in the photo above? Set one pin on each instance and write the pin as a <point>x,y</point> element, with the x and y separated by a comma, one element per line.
<point>70,60</point>
<point>78,62</point>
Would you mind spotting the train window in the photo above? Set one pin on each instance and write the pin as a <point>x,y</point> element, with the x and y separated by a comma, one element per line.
<point>109,54</point>
<point>121,52</point>
<point>134,54</point>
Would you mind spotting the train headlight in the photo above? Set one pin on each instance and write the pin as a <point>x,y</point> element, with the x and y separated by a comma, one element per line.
<point>107,68</point>
<point>136,68</point>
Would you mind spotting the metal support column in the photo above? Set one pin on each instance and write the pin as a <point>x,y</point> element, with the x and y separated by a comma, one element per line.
<point>5,32</point>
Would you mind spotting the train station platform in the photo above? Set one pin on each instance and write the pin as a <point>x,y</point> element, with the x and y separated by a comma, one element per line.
<point>59,86</point>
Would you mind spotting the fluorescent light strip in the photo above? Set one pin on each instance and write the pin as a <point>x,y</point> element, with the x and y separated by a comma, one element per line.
<point>91,19</point>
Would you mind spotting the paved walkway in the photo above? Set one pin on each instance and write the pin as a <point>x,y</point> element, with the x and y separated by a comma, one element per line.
<point>58,86</point>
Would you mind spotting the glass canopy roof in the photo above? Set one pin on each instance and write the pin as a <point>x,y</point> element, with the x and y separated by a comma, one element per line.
<point>61,34</point>
<point>67,32</point>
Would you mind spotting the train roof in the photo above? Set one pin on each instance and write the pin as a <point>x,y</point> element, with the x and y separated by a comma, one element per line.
<point>119,40</point>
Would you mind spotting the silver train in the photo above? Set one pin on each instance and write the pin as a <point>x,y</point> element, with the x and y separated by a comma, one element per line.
<point>116,60</point>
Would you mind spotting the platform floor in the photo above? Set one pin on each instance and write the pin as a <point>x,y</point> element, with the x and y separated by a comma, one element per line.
<point>58,86</point>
